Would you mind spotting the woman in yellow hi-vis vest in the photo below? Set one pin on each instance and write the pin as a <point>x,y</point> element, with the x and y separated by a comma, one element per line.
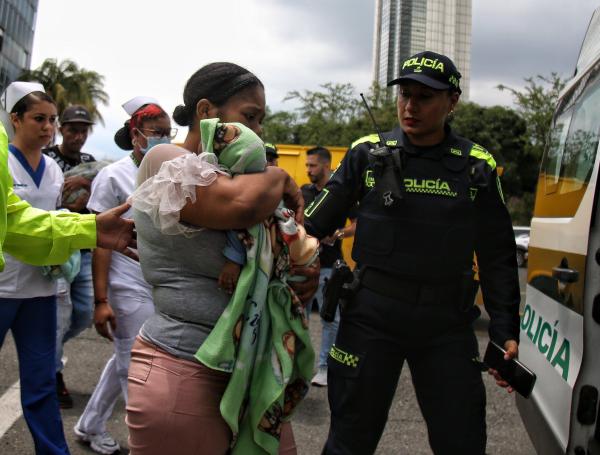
<point>45,238</point>
<point>39,237</point>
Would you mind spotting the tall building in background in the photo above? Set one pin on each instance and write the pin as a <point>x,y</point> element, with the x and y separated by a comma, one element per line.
<point>406,27</point>
<point>17,26</point>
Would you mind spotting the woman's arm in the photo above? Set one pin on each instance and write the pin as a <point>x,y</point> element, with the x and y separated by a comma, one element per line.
<point>103,314</point>
<point>243,201</point>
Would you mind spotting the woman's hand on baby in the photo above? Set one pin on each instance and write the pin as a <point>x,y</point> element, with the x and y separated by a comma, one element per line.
<point>228,278</point>
<point>116,233</point>
<point>292,198</point>
<point>305,290</point>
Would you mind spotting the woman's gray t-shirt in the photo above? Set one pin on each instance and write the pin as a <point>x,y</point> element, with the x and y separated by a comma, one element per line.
<point>183,273</point>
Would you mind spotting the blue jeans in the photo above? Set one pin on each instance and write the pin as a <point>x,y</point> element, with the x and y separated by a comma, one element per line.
<point>329,328</point>
<point>33,325</point>
<point>75,307</point>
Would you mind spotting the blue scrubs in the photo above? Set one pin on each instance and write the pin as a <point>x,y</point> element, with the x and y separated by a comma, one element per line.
<point>33,325</point>
<point>28,309</point>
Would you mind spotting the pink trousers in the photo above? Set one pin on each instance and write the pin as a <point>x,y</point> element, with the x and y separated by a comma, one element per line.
<point>173,406</point>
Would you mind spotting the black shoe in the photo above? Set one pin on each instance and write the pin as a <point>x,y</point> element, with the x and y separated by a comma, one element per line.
<point>64,398</point>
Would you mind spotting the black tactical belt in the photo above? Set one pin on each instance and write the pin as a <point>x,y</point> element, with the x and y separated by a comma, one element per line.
<point>420,293</point>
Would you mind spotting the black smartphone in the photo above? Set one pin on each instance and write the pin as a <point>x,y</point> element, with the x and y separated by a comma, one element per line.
<point>520,378</point>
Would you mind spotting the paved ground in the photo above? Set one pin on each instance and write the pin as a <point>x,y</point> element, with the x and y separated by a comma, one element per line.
<point>404,434</point>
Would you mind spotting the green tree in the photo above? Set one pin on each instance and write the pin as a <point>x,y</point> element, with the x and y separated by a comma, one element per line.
<point>281,127</point>
<point>536,103</point>
<point>336,103</point>
<point>334,115</point>
<point>70,84</point>
<point>323,115</point>
<point>383,107</point>
<point>503,132</point>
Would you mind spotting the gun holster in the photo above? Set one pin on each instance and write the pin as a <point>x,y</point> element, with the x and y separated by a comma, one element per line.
<point>339,289</point>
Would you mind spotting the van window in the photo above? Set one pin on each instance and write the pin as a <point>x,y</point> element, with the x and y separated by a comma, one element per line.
<point>582,142</point>
<point>556,148</point>
<point>569,160</point>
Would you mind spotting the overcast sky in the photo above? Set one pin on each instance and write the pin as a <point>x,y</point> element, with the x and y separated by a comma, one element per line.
<point>151,47</point>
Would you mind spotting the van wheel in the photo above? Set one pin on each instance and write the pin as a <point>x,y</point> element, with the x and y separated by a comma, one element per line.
<point>521,258</point>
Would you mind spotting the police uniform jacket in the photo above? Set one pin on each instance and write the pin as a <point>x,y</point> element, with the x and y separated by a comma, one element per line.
<point>452,207</point>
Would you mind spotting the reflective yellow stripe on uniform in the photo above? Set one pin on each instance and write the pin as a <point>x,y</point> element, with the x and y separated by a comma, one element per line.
<point>316,203</point>
<point>479,152</point>
<point>345,358</point>
<point>500,189</point>
<point>374,138</point>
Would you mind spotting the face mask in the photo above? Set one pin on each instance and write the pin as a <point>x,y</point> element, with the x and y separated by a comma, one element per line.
<point>151,141</point>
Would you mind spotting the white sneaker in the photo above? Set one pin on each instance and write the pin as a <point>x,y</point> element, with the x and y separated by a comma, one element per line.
<point>320,379</point>
<point>100,443</point>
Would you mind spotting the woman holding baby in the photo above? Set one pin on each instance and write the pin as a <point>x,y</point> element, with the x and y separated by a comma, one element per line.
<point>183,211</point>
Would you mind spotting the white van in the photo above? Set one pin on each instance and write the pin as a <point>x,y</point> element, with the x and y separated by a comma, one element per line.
<point>560,324</point>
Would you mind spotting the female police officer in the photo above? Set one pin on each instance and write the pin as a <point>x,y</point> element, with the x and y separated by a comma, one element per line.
<point>428,201</point>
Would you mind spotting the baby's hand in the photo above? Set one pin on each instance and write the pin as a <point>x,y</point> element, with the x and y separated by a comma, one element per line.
<point>229,276</point>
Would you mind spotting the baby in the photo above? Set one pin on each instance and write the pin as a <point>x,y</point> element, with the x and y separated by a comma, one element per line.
<point>240,151</point>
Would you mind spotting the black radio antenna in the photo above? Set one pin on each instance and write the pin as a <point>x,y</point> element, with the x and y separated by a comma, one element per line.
<point>373,120</point>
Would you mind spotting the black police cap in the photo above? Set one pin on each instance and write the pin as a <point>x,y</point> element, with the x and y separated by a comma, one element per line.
<point>432,69</point>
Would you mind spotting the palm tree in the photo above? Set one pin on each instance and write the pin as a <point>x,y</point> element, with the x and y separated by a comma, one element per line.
<point>69,84</point>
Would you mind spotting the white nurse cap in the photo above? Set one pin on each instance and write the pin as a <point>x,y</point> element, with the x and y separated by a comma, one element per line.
<point>135,103</point>
<point>17,91</point>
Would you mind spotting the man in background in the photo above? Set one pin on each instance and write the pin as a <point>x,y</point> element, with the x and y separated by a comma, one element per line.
<point>318,169</point>
<point>75,300</point>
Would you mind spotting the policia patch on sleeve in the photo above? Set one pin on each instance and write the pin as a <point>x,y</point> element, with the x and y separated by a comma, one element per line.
<point>343,357</point>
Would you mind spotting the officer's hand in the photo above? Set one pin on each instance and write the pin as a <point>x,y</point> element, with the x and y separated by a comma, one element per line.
<point>512,351</point>
<point>103,317</point>
<point>116,233</point>
<point>305,290</point>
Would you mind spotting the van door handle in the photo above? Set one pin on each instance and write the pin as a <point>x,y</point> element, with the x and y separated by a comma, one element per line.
<point>565,274</point>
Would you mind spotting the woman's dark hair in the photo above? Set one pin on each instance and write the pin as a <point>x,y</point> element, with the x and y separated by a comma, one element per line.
<point>146,112</point>
<point>27,102</point>
<point>216,82</point>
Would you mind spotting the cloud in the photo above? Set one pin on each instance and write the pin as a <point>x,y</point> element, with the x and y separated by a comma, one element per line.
<point>485,93</point>
<point>514,39</point>
<point>151,47</point>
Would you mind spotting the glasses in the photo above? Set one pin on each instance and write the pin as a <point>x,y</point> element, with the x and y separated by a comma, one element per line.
<point>169,132</point>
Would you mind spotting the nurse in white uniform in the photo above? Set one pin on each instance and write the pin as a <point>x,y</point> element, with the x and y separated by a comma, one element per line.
<point>122,298</point>
<point>27,297</point>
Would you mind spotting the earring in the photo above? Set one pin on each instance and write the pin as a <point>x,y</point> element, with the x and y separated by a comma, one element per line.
<point>134,142</point>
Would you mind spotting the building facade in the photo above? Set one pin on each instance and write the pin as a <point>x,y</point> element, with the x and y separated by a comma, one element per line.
<point>406,27</point>
<point>17,26</point>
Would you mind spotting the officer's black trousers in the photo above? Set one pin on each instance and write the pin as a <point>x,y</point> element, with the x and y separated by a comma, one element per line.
<point>376,335</point>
